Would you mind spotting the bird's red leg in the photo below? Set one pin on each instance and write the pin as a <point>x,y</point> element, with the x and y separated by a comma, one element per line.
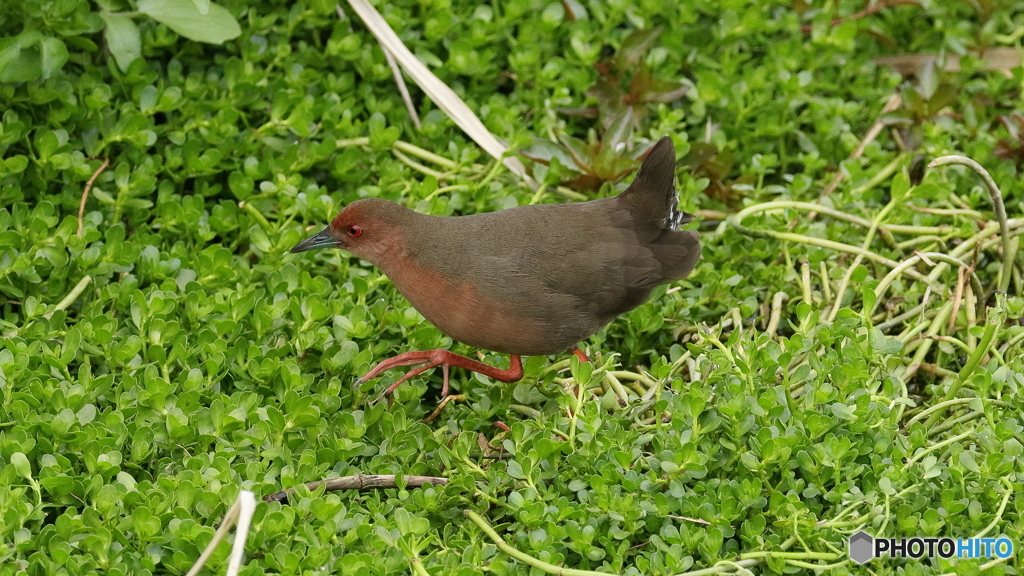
<point>581,354</point>
<point>445,359</point>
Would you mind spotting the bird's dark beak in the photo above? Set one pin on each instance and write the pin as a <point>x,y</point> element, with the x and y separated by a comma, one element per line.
<point>322,239</point>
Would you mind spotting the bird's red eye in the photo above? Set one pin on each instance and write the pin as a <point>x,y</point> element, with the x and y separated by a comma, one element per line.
<point>355,231</point>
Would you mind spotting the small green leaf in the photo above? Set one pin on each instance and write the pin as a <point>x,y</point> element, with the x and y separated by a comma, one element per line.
<point>900,187</point>
<point>10,50</point>
<point>16,164</point>
<point>27,66</point>
<point>54,54</point>
<point>215,27</point>
<point>72,340</point>
<point>967,461</point>
<point>876,338</point>
<point>87,414</point>
<point>869,298</point>
<point>581,371</point>
<point>515,470</point>
<point>148,99</point>
<point>21,465</point>
<point>123,39</point>
<point>844,411</point>
<point>553,14</point>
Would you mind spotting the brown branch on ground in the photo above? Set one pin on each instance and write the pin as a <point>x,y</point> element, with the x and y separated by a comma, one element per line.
<point>85,194</point>
<point>359,482</point>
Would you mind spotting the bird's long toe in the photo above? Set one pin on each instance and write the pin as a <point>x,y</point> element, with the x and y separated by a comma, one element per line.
<point>446,359</point>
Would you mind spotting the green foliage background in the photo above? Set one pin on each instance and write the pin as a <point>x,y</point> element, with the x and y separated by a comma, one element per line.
<point>201,359</point>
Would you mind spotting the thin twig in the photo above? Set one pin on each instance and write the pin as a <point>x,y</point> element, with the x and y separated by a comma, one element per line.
<point>85,195</point>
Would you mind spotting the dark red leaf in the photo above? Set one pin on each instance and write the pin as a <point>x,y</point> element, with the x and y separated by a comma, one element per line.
<point>700,152</point>
<point>619,130</point>
<point>639,85</point>
<point>585,183</point>
<point>666,91</point>
<point>635,46</point>
<point>581,153</point>
<point>943,96</point>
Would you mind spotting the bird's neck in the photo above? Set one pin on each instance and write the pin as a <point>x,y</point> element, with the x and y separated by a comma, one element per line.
<point>395,250</point>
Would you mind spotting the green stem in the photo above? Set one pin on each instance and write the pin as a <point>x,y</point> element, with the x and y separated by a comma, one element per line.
<point>252,211</point>
<point>72,296</point>
<point>793,555</point>
<point>635,377</point>
<point>997,204</point>
<point>349,142</point>
<point>424,154</point>
<point>950,424</point>
<point>937,446</point>
<point>417,166</point>
<point>521,556</point>
<point>880,177</point>
<point>837,214</point>
<point>400,147</point>
<point>971,365</point>
<point>800,564</point>
<point>791,237</point>
<point>938,407</point>
<point>417,566</point>
<point>535,199</point>
<point>897,320</point>
<point>908,263</point>
<point>1002,507</point>
<point>617,387</point>
<point>937,322</point>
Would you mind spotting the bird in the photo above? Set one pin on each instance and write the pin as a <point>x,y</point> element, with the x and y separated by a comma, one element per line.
<point>524,281</point>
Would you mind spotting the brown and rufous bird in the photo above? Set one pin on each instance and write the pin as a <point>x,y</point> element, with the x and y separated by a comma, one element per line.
<point>526,281</point>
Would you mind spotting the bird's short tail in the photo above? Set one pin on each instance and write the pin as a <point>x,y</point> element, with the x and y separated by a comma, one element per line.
<point>652,196</point>
<point>653,204</point>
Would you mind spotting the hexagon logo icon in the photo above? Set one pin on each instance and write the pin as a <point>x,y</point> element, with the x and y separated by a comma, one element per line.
<point>862,548</point>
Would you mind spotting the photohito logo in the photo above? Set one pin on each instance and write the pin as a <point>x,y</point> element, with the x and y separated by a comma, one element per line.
<point>864,547</point>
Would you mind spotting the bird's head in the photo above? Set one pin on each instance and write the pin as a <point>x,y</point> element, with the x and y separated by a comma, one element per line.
<point>365,228</point>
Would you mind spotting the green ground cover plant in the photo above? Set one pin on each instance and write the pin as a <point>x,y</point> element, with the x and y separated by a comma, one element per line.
<point>847,354</point>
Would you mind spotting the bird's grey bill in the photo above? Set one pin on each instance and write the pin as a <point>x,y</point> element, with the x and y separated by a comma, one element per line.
<point>322,239</point>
